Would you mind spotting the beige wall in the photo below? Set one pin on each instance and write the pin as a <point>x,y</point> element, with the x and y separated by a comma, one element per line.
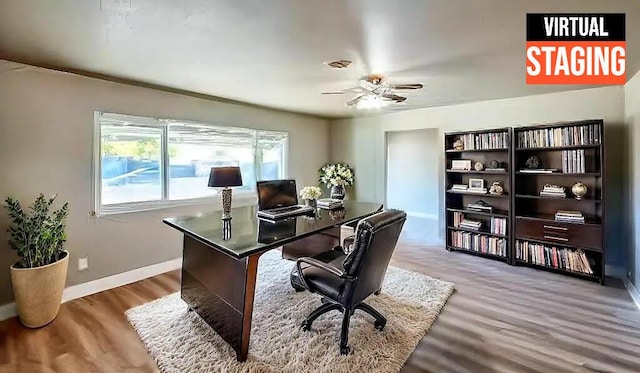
<point>360,141</point>
<point>632,114</point>
<point>46,124</point>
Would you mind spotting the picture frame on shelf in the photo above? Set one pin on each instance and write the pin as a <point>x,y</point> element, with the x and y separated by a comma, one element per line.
<point>461,164</point>
<point>476,183</point>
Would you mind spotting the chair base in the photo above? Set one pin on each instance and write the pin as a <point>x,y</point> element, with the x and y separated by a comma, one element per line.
<point>328,306</point>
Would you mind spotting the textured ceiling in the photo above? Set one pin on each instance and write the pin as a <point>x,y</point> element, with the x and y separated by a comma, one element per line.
<point>271,53</point>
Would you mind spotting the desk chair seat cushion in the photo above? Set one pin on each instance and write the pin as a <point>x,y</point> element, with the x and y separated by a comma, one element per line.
<point>320,280</point>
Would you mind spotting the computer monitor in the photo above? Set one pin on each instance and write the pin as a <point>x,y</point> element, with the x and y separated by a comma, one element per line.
<point>276,193</point>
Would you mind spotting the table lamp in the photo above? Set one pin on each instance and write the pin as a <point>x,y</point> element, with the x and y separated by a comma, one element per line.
<point>225,177</point>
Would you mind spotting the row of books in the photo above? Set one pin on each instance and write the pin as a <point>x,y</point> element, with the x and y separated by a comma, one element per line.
<point>573,161</point>
<point>554,257</point>
<point>499,225</point>
<point>570,216</point>
<point>459,221</point>
<point>479,141</point>
<point>553,191</point>
<point>562,136</point>
<point>479,243</point>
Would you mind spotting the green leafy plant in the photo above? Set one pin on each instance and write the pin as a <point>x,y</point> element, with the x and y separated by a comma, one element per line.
<point>38,234</point>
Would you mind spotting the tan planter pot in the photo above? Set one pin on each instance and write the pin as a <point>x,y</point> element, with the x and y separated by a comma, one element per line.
<point>38,291</point>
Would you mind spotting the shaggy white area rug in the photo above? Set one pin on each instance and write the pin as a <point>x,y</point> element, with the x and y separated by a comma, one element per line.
<point>179,341</point>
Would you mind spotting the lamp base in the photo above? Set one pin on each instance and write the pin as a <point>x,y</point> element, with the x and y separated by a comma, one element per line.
<point>226,204</point>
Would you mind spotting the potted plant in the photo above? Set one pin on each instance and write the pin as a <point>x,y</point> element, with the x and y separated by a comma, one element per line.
<point>337,176</point>
<point>310,195</point>
<point>39,275</point>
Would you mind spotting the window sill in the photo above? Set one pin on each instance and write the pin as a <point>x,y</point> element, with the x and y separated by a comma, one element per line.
<point>239,200</point>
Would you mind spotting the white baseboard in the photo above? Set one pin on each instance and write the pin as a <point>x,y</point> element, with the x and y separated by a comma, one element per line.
<point>635,295</point>
<point>102,284</point>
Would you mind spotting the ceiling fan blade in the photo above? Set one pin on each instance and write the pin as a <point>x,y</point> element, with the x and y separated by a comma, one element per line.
<point>393,97</point>
<point>406,86</point>
<point>348,90</point>
<point>356,100</point>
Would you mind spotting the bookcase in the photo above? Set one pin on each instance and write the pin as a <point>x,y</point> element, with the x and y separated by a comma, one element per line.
<point>549,209</point>
<point>478,221</point>
<point>560,231</point>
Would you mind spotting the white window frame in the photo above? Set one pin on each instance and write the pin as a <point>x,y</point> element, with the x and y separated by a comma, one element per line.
<point>240,197</point>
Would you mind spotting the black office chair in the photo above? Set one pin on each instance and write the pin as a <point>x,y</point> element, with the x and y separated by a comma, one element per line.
<point>345,280</point>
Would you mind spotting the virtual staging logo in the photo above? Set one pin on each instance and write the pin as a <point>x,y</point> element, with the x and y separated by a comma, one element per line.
<point>576,48</point>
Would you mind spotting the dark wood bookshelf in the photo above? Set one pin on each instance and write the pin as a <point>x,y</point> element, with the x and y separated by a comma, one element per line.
<point>568,147</point>
<point>495,145</point>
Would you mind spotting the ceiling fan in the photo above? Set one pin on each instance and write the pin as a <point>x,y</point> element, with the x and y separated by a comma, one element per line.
<point>374,89</point>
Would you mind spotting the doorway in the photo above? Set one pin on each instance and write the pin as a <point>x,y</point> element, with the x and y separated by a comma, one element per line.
<point>413,182</point>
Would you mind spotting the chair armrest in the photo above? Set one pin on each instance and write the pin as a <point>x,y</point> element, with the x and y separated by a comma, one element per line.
<point>347,243</point>
<point>319,264</point>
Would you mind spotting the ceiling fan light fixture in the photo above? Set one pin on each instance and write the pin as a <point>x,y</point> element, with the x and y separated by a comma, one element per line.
<point>372,102</point>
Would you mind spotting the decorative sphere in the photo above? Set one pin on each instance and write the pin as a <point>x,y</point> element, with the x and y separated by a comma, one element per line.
<point>478,166</point>
<point>533,162</point>
<point>579,190</point>
<point>494,164</point>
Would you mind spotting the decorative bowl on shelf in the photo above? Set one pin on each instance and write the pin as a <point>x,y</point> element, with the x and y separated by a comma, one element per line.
<point>533,162</point>
<point>579,190</point>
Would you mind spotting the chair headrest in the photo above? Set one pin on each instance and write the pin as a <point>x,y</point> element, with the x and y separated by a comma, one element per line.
<point>381,219</point>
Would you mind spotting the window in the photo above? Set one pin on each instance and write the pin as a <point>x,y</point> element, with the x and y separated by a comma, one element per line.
<point>145,163</point>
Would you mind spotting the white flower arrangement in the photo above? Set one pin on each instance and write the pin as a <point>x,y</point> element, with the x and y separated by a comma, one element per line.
<point>334,174</point>
<point>310,192</point>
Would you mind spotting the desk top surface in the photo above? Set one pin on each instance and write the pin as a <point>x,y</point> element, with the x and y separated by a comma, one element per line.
<point>245,234</point>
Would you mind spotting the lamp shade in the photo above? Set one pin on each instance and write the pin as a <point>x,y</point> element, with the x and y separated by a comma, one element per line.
<point>225,177</point>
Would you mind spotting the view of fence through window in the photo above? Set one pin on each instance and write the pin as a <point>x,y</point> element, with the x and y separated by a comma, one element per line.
<point>136,153</point>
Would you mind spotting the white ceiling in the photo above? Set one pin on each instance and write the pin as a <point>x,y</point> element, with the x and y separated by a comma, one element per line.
<point>271,53</point>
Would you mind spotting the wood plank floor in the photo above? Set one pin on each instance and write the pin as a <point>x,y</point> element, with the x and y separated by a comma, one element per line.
<point>501,319</point>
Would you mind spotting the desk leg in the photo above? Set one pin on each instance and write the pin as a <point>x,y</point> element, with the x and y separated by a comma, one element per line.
<point>221,290</point>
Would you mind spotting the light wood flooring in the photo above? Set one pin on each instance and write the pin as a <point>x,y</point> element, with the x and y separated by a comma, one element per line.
<point>500,319</point>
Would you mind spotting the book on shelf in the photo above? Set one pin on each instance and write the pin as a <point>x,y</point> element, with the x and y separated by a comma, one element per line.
<point>479,207</point>
<point>477,190</point>
<point>459,187</point>
<point>554,257</point>
<point>573,161</point>
<point>553,191</point>
<point>489,169</point>
<point>479,243</point>
<point>569,216</point>
<point>470,224</point>
<point>329,203</point>
<point>457,218</point>
<point>539,170</point>
<point>588,134</point>
<point>483,141</point>
<point>499,225</point>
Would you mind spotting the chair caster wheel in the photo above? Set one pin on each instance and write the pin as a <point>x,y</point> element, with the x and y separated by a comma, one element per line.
<point>305,326</point>
<point>345,350</point>
<point>380,325</point>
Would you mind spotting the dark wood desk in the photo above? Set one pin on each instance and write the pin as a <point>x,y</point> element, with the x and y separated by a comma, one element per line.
<point>220,262</point>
